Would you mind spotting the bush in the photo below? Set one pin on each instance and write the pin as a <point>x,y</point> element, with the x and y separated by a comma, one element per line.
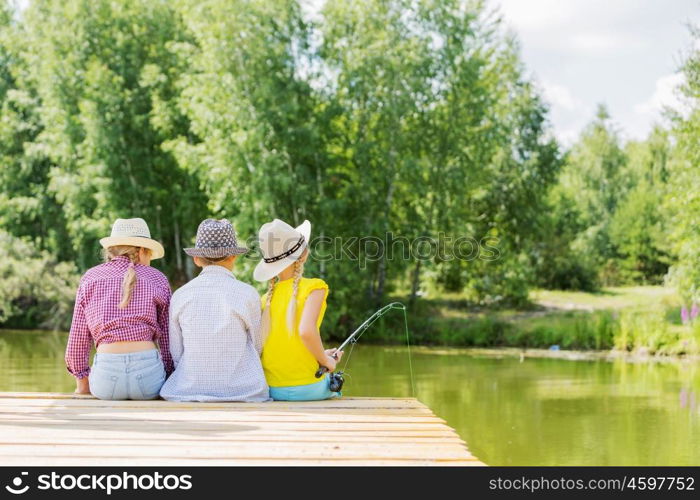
<point>572,330</point>
<point>645,331</point>
<point>35,290</point>
<point>569,273</point>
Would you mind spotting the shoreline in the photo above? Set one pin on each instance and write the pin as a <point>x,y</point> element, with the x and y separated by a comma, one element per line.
<point>500,352</point>
<point>536,353</point>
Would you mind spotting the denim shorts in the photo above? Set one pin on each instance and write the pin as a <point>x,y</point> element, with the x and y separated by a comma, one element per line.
<point>133,375</point>
<point>310,392</point>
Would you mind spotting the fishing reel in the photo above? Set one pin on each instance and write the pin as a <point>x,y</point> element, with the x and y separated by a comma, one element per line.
<point>336,381</point>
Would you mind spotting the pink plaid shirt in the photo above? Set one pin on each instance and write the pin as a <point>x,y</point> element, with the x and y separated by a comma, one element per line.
<point>97,317</point>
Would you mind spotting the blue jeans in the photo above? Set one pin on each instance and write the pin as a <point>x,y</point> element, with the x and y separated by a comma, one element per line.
<point>134,375</point>
<point>310,392</point>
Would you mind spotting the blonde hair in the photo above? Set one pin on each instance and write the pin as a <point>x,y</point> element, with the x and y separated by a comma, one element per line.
<point>292,307</point>
<point>129,281</point>
<point>266,321</point>
<point>266,316</point>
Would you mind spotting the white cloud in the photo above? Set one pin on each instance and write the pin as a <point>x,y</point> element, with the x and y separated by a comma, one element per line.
<point>666,94</point>
<point>567,137</point>
<point>604,42</point>
<point>559,96</point>
<point>568,115</point>
<point>532,15</point>
<point>589,26</point>
<point>568,128</point>
<point>567,112</point>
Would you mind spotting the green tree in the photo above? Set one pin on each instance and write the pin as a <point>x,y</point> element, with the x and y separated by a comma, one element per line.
<point>35,289</point>
<point>101,69</point>
<point>256,126</point>
<point>440,133</point>
<point>27,208</point>
<point>637,229</point>
<point>683,198</point>
<point>591,185</point>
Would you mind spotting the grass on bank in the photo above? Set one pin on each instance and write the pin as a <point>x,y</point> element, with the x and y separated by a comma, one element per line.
<point>641,319</point>
<point>613,298</point>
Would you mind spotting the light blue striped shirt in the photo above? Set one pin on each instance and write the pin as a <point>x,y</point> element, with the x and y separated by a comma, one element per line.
<point>215,341</point>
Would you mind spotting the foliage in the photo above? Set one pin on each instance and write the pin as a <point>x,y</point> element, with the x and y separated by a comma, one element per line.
<point>682,201</point>
<point>35,290</point>
<point>590,187</point>
<point>641,321</point>
<point>638,229</point>
<point>100,70</point>
<point>400,117</point>
<point>606,224</point>
<point>27,208</point>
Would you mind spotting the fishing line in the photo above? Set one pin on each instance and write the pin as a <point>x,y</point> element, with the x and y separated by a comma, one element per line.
<point>337,377</point>
<point>347,359</point>
<point>408,346</point>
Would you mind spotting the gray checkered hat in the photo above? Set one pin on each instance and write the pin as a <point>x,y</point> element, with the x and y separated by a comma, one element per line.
<point>215,239</point>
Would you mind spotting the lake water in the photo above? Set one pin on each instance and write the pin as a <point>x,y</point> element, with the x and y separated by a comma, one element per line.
<point>534,412</point>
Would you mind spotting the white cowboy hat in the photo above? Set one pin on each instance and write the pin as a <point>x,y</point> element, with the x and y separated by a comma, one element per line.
<point>133,232</point>
<point>280,245</point>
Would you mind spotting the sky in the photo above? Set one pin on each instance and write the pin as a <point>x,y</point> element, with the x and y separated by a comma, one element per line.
<point>623,53</point>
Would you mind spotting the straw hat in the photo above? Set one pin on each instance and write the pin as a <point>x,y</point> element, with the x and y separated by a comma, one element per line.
<point>280,244</point>
<point>133,232</point>
<point>216,239</point>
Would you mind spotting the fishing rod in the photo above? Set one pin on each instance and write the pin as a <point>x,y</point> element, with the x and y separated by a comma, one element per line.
<point>337,380</point>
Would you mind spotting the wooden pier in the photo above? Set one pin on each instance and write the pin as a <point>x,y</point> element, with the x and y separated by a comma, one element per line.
<point>65,429</point>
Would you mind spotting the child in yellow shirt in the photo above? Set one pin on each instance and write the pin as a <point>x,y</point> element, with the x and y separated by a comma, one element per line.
<point>293,310</point>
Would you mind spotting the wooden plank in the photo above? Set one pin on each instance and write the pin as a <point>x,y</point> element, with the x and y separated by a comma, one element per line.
<point>258,450</point>
<point>164,426</point>
<point>170,461</point>
<point>72,395</point>
<point>290,437</point>
<point>218,415</point>
<point>166,419</point>
<point>354,415</point>
<point>67,399</point>
<point>205,407</point>
<point>105,430</point>
<point>67,439</point>
<point>160,403</point>
<point>62,429</point>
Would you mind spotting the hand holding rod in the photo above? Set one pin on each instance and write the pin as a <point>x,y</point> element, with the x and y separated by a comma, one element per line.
<point>322,369</point>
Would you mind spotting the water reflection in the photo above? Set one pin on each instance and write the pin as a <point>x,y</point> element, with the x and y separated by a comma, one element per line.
<point>687,398</point>
<point>546,411</point>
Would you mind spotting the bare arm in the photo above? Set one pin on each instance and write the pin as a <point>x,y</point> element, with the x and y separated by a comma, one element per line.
<point>308,329</point>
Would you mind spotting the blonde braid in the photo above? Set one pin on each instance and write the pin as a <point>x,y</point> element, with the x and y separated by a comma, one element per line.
<point>292,307</point>
<point>267,316</point>
<point>129,281</point>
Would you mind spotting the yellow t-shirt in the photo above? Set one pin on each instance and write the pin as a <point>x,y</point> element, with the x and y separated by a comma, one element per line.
<point>285,358</point>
